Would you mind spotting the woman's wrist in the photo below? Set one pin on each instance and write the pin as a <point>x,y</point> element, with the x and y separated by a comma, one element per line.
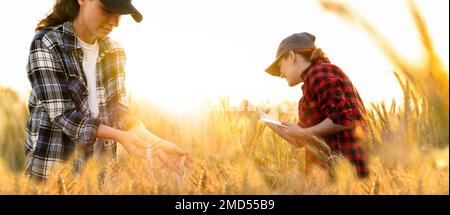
<point>120,136</point>
<point>106,132</point>
<point>147,136</point>
<point>311,131</point>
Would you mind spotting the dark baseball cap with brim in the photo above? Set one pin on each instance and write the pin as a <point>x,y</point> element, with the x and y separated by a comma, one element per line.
<point>296,42</point>
<point>122,7</point>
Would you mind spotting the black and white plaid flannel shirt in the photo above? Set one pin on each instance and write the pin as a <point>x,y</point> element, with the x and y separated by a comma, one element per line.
<point>60,125</point>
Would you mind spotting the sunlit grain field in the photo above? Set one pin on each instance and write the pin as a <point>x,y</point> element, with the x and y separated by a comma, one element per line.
<point>234,153</point>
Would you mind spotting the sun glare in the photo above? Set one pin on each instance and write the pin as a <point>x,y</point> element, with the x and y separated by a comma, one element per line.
<point>183,56</point>
<point>179,70</point>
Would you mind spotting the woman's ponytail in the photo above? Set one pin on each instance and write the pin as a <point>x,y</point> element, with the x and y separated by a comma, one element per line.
<point>317,54</point>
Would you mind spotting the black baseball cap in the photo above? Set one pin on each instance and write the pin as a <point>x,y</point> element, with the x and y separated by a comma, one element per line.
<point>122,7</point>
<point>297,42</point>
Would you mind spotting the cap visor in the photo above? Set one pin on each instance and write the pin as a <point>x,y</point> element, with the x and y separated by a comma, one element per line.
<point>122,7</point>
<point>273,69</point>
<point>137,16</point>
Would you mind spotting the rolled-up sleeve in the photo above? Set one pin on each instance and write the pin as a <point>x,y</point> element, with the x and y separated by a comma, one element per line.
<point>120,114</point>
<point>332,101</point>
<point>50,84</point>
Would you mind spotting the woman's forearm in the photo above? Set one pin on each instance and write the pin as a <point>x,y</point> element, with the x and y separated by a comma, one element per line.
<point>146,135</point>
<point>106,132</point>
<point>325,128</point>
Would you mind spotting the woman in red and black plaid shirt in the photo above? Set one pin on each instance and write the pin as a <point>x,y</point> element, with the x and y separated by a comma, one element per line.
<point>330,108</point>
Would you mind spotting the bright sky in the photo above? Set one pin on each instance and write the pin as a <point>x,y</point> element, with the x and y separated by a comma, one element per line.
<point>186,53</point>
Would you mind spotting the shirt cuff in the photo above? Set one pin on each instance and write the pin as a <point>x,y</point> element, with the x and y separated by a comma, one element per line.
<point>88,132</point>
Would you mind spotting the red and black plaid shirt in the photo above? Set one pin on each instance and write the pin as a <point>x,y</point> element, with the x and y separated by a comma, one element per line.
<point>329,93</point>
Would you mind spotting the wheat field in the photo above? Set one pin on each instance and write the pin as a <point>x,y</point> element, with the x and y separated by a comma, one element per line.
<point>236,154</point>
<point>408,143</point>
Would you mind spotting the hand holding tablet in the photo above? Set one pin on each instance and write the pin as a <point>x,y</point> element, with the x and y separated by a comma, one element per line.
<point>268,119</point>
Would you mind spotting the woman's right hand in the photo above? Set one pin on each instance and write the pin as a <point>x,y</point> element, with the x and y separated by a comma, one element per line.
<point>173,157</point>
<point>281,132</point>
<point>133,144</point>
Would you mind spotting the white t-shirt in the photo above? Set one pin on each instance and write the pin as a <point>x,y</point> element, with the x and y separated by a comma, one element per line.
<point>90,55</point>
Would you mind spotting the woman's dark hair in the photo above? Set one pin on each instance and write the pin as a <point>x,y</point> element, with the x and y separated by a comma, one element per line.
<point>63,10</point>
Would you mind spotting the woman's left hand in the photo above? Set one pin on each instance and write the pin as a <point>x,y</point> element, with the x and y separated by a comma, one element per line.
<point>171,155</point>
<point>296,131</point>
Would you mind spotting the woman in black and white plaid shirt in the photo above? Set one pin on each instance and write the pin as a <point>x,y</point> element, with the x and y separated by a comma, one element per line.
<point>78,105</point>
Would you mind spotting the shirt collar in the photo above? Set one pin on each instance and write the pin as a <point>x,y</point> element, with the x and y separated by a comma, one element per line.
<point>313,64</point>
<point>70,40</point>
